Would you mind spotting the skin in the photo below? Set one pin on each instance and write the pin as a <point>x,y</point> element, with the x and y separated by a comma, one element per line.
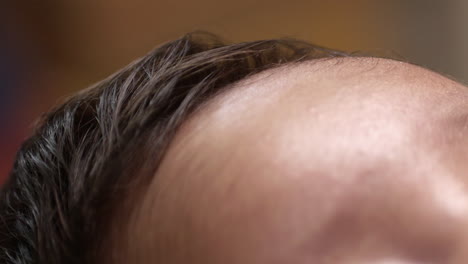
<point>350,160</point>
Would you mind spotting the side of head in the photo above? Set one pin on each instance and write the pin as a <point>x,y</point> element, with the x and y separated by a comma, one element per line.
<point>90,156</point>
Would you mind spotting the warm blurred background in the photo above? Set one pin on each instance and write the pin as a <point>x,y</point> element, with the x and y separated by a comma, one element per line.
<point>50,48</point>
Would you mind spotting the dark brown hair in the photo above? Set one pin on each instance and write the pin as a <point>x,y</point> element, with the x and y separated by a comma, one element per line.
<point>93,149</point>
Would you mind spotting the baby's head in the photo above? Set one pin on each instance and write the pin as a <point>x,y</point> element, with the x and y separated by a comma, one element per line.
<point>273,151</point>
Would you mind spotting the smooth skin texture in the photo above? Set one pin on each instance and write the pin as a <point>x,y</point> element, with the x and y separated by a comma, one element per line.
<point>342,161</point>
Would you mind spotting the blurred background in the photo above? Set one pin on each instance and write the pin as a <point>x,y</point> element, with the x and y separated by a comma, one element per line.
<point>51,48</point>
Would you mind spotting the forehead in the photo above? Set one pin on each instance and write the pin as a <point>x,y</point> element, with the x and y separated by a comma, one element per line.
<point>269,169</point>
<point>330,111</point>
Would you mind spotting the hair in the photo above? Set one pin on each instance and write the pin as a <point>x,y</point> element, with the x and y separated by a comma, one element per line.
<point>90,151</point>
